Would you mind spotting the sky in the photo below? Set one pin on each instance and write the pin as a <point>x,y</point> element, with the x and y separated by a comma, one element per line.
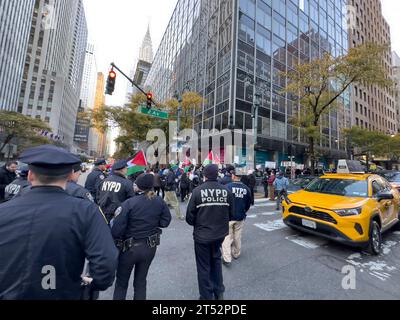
<point>117,29</point>
<point>391,9</point>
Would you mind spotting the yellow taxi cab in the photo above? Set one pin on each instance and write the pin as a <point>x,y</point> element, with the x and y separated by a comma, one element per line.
<point>351,208</point>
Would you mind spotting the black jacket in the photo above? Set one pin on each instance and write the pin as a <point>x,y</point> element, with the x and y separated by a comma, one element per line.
<point>15,188</point>
<point>170,184</point>
<point>113,191</point>
<point>227,179</point>
<point>242,196</point>
<point>140,218</point>
<point>77,191</point>
<point>44,228</point>
<point>93,181</point>
<point>252,181</point>
<point>209,211</point>
<point>6,177</point>
<point>185,181</point>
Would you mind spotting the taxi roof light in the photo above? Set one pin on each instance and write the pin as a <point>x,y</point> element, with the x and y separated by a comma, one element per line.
<point>350,166</point>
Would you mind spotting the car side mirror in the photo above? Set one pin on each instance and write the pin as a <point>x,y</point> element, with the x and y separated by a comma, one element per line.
<point>386,195</point>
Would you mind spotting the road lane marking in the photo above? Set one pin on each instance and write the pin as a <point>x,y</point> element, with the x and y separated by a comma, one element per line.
<point>377,266</point>
<point>308,242</point>
<point>271,225</point>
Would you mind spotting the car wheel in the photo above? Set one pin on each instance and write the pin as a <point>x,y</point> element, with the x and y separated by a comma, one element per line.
<point>375,239</point>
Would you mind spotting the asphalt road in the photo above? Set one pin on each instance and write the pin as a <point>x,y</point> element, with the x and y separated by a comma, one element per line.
<point>276,263</point>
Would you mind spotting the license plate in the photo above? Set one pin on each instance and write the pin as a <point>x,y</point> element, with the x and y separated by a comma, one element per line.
<point>309,224</point>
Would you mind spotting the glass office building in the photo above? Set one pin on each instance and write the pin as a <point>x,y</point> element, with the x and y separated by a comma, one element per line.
<point>231,50</point>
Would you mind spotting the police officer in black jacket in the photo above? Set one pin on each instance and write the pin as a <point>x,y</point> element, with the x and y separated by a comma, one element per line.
<point>209,211</point>
<point>227,179</point>
<point>74,189</point>
<point>136,229</point>
<point>18,185</point>
<point>45,235</point>
<point>96,177</point>
<point>115,189</point>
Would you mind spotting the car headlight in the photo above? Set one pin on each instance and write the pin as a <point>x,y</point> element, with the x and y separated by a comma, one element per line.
<point>348,212</point>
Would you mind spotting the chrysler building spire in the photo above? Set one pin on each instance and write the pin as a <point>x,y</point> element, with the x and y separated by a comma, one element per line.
<point>146,50</point>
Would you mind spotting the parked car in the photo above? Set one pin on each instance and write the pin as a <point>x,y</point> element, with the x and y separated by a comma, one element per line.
<point>392,176</point>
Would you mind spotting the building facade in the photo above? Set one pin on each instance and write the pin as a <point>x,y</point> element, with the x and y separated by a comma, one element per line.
<point>228,50</point>
<point>54,63</point>
<point>15,21</point>
<point>396,79</point>
<point>373,107</point>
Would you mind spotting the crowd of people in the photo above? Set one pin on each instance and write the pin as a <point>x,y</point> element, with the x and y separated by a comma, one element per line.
<point>115,222</point>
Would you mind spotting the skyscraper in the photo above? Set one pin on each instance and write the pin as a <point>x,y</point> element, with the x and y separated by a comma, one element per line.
<point>84,135</point>
<point>396,78</point>
<point>54,65</point>
<point>228,50</point>
<point>374,107</point>
<point>143,65</point>
<point>146,50</point>
<point>99,102</point>
<point>15,22</point>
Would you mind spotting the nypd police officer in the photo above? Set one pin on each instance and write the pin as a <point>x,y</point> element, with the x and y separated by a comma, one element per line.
<point>209,211</point>
<point>96,177</point>
<point>45,235</point>
<point>19,185</point>
<point>74,189</point>
<point>136,230</point>
<point>114,190</point>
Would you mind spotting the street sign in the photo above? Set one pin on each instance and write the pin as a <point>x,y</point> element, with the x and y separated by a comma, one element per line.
<point>154,113</point>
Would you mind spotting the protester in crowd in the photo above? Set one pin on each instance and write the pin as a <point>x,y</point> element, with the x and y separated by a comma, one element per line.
<point>7,176</point>
<point>271,187</point>
<point>281,185</point>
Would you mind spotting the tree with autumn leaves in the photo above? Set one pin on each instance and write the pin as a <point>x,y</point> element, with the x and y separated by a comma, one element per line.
<point>318,85</point>
<point>134,125</point>
<point>21,130</point>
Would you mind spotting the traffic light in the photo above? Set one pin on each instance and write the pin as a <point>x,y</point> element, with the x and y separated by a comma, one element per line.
<point>149,100</point>
<point>112,76</point>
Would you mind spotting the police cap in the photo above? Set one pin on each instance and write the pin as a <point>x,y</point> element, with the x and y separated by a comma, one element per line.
<point>24,171</point>
<point>119,165</point>
<point>49,160</point>
<point>100,162</point>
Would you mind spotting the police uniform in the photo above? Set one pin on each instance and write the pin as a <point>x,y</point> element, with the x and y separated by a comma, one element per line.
<point>136,227</point>
<point>95,178</point>
<point>16,187</point>
<point>76,190</point>
<point>209,211</point>
<point>114,190</point>
<point>45,236</point>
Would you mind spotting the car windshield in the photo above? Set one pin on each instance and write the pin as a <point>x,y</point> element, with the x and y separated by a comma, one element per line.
<point>301,182</point>
<point>392,176</point>
<point>340,187</point>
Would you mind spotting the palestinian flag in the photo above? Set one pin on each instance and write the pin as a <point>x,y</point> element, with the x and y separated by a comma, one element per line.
<point>211,159</point>
<point>138,164</point>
